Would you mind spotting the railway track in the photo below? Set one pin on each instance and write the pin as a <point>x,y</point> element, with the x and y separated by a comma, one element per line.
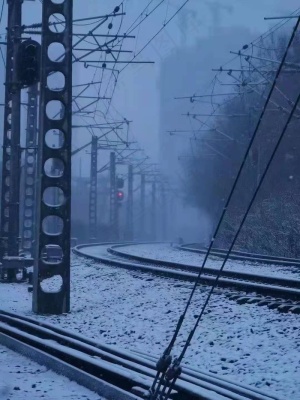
<point>242,255</point>
<point>279,288</point>
<point>113,373</point>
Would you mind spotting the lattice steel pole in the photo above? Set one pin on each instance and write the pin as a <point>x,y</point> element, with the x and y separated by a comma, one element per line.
<point>44,300</point>
<point>129,221</point>
<point>164,216</point>
<point>153,211</point>
<point>10,194</point>
<point>93,190</point>
<point>113,199</point>
<point>28,220</point>
<point>142,209</point>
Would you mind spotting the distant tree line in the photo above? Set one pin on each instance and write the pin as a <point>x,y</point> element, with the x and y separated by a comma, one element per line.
<point>273,224</point>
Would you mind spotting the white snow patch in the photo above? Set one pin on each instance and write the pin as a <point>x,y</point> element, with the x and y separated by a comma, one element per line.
<point>249,344</point>
<point>23,379</point>
<point>166,252</point>
<point>52,285</point>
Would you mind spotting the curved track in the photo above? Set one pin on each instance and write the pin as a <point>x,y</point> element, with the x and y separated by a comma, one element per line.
<point>242,255</point>
<point>261,284</point>
<point>124,375</point>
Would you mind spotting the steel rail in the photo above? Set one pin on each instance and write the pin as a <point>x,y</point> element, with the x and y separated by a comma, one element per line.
<point>121,370</point>
<point>268,286</point>
<point>292,283</point>
<point>243,255</point>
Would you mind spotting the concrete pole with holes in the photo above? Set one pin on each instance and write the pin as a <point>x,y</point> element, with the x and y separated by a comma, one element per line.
<point>28,198</point>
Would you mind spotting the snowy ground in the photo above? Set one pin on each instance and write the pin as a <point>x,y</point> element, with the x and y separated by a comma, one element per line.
<point>166,252</point>
<point>22,379</point>
<point>250,344</point>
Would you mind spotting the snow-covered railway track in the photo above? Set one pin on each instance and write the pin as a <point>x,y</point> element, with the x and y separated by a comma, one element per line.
<point>243,256</point>
<point>111,372</point>
<point>260,284</point>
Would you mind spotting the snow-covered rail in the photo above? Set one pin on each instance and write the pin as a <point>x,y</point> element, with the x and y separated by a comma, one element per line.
<point>261,284</point>
<point>242,255</point>
<point>124,375</point>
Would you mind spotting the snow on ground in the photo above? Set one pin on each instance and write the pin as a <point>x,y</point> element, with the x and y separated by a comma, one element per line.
<point>22,379</point>
<point>166,252</point>
<point>252,345</point>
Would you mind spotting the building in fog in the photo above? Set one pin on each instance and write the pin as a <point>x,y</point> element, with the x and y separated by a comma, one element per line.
<point>185,72</point>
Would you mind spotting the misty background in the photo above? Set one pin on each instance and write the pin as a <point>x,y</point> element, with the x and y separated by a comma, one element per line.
<point>198,39</point>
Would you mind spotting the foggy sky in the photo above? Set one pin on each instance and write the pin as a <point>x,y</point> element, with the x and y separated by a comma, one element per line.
<point>137,94</point>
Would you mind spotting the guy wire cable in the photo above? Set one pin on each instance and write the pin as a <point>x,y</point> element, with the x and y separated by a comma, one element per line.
<point>179,359</point>
<point>165,361</point>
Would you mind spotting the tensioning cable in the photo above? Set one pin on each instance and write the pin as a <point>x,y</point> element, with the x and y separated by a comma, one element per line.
<point>191,334</point>
<point>165,369</point>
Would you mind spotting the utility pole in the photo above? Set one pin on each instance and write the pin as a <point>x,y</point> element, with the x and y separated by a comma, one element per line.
<point>153,211</point>
<point>57,301</point>
<point>142,210</point>
<point>114,220</point>
<point>130,204</point>
<point>93,191</point>
<point>28,218</point>
<point>10,194</point>
<point>164,216</point>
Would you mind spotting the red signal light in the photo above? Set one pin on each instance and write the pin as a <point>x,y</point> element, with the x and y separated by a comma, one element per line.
<point>120,195</point>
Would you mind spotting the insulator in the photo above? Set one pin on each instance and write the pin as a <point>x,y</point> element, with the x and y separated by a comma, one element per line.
<point>164,362</point>
<point>174,371</point>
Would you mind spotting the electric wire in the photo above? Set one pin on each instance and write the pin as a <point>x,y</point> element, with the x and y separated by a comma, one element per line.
<point>261,180</point>
<point>161,376</point>
<point>156,34</point>
<point>264,35</point>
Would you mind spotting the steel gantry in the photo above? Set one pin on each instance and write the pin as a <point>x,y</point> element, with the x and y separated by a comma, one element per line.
<point>44,300</point>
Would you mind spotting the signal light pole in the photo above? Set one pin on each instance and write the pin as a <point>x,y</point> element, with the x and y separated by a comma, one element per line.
<point>114,220</point>
<point>129,222</point>
<point>10,194</point>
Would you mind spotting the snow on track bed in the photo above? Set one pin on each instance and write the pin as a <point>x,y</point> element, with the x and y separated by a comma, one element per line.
<point>168,253</point>
<point>23,379</point>
<point>249,344</point>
